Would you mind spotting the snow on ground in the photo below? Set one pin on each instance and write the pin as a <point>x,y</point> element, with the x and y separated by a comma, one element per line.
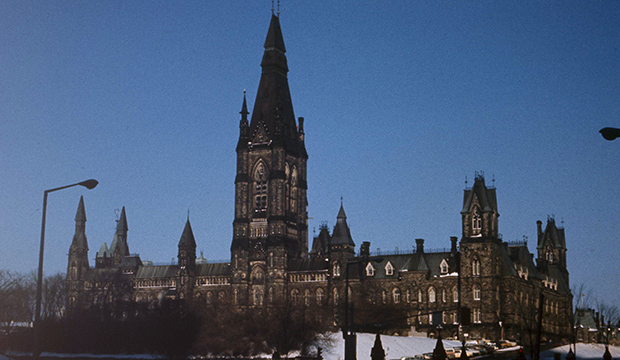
<point>584,351</point>
<point>395,346</point>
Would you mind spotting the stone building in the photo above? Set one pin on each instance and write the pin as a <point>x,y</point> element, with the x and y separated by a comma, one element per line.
<point>496,284</point>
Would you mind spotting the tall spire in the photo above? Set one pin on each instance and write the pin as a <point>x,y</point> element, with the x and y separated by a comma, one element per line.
<point>81,213</point>
<point>273,118</point>
<point>122,222</point>
<point>79,238</point>
<point>244,109</point>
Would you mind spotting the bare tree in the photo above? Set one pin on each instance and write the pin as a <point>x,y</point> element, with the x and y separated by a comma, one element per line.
<point>16,298</point>
<point>54,296</point>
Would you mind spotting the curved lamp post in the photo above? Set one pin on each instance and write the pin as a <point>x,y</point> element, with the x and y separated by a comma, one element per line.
<point>89,184</point>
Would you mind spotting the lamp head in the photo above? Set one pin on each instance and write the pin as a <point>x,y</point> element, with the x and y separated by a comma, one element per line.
<point>89,184</point>
<point>610,133</point>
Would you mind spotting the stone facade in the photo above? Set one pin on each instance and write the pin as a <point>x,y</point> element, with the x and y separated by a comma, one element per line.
<point>494,284</point>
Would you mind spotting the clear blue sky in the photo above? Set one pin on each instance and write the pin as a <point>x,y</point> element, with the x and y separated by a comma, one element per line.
<point>402,101</point>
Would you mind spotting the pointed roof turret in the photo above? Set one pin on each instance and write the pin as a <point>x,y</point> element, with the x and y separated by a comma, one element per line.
<point>342,233</point>
<point>187,238</point>
<point>80,215</point>
<point>79,237</point>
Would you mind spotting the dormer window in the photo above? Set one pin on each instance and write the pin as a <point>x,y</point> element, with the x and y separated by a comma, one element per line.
<point>476,221</point>
<point>370,270</point>
<point>389,269</point>
<point>443,266</point>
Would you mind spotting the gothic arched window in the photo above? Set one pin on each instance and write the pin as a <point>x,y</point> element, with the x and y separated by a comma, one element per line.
<point>476,291</point>
<point>336,269</point>
<point>293,195</point>
<point>475,267</point>
<point>260,188</point>
<point>476,221</point>
<point>307,297</point>
<point>319,296</point>
<point>549,254</point>
<point>432,295</point>
<point>295,296</point>
<point>396,295</point>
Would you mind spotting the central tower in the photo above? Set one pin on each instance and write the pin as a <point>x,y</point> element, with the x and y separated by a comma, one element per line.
<point>271,221</point>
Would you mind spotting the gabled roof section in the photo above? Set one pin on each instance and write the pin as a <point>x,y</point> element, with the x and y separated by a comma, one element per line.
<point>555,234</point>
<point>103,250</point>
<point>187,238</point>
<point>486,197</point>
<point>342,233</point>
<point>320,244</point>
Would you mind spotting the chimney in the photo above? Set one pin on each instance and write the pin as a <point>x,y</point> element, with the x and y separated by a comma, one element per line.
<point>419,246</point>
<point>539,226</point>
<point>453,240</point>
<point>365,249</point>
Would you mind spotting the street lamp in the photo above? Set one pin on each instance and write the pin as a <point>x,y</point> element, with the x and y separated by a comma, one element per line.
<point>89,184</point>
<point>349,343</point>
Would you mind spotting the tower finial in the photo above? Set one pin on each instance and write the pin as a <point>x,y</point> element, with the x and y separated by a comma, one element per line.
<point>465,182</point>
<point>272,8</point>
<point>187,214</point>
<point>341,200</point>
<point>278,9</point>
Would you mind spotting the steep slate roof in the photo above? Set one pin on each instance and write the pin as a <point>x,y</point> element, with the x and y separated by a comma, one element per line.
<point>158,271</point>
<point>213,269</point>
<point>307,265</point>
<point>342,234</point>
<point>131,262</point>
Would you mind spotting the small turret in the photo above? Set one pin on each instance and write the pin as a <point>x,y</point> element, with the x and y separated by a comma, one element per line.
<point>119,248</point>
<point>187,250</point>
